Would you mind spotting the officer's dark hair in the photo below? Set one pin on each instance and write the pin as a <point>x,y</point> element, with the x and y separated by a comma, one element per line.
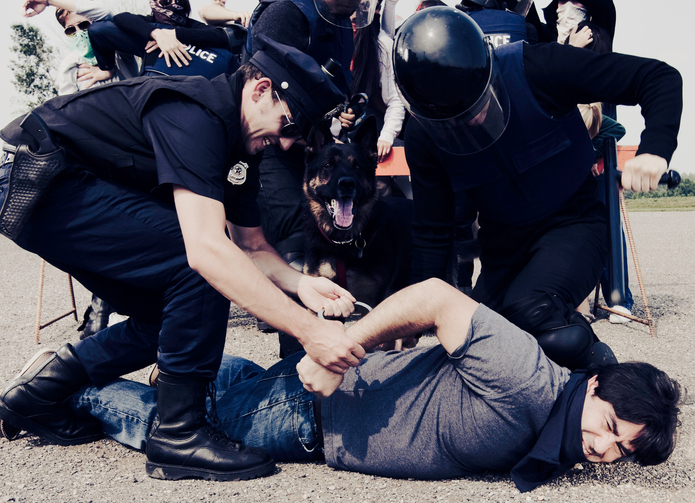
<point>600,39</point>
<point>644,395</point>
<point>249,72</point>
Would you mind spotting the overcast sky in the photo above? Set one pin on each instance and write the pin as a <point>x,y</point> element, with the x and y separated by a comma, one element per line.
<point>641,30</point>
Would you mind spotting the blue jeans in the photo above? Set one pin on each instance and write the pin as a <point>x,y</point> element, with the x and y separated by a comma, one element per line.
<point>263,408</point>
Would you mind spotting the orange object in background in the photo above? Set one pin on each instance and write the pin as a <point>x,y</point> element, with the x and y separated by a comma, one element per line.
<point>394,164</point>
<point>625,153</point>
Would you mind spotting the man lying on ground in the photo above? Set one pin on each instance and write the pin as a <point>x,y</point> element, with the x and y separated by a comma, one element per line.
<point>486,399</point>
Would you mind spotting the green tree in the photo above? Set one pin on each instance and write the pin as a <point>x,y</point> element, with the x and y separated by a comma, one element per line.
<point>686,188</point>
<point>33,65</point>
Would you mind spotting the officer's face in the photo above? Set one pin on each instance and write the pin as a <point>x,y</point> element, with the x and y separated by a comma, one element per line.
<point>605,437</point>
<point>263,118</point>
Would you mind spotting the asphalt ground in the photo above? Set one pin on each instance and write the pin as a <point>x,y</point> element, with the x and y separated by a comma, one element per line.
<point>104,471</point>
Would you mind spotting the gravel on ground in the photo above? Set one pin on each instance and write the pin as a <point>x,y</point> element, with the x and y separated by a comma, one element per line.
<point>32,470</point>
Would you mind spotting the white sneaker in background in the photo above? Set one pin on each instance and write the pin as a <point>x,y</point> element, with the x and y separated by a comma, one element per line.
<point>116,318</point>
<point>616,318</point>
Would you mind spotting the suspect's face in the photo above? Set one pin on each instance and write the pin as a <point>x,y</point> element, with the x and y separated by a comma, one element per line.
<point>605,437</point>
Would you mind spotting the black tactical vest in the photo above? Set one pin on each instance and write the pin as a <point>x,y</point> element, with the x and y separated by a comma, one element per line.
<point>101,129</point>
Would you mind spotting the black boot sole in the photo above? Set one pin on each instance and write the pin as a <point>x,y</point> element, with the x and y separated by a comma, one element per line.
<point>173,472</point>
<point>20,422</point>
<point>10,432</point>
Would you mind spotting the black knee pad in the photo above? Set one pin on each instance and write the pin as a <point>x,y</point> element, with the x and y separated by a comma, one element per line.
<point>536,314</point>
<point>575,346</point>
<point>569,346</point>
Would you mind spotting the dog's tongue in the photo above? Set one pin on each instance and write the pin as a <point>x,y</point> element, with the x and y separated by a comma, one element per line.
<point>342,215</point>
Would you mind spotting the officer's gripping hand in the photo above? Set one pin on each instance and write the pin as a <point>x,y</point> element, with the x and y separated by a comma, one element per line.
<point>317,379</point>
<point>321,294</point>
<point>328,344</point>
<point>643,172</point>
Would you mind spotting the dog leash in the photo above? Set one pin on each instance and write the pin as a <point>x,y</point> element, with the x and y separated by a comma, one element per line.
<point>358,104</point>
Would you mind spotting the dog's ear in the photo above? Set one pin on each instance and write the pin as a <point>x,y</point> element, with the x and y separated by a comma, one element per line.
<point>366,136</point>
<point>320,135</point>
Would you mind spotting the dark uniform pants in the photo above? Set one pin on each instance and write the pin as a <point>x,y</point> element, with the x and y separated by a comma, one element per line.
<point>126,247</point>
<point>563,256</point>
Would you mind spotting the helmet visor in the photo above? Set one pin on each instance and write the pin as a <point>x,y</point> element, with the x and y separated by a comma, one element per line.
<point>339,12</point>
<point>478,127</point>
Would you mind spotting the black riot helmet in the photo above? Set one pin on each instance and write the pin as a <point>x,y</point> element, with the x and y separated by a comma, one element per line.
<point>447,79</point>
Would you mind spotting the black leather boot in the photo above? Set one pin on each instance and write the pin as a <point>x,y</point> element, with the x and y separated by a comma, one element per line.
<point>37,399</point>
<point>183,444</point>
<point>96,317</point>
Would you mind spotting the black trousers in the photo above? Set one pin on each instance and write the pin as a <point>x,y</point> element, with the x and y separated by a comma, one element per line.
<point>563,255</point>
<point>126,247</point>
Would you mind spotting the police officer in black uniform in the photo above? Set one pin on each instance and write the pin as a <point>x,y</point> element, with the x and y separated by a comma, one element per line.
<point>502,127</point>
<point>501,26</point>
<point>155,168</point>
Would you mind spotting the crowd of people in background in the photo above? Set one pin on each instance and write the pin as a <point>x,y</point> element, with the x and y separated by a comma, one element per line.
<point>103,48</point>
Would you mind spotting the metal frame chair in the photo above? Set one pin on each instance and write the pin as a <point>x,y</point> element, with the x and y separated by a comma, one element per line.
<point>39,303</point>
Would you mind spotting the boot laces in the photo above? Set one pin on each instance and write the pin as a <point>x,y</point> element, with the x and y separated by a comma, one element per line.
<point>214,426</point>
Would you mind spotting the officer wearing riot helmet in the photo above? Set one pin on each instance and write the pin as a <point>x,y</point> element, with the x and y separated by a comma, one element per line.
<point>501,126</point>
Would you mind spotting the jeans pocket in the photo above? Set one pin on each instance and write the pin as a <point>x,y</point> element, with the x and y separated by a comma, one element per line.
<point>306,427</point>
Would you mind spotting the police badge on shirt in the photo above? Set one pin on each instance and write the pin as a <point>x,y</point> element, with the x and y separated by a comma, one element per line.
<point>237,173</point>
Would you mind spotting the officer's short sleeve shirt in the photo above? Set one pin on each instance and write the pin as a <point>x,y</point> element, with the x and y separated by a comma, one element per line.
<point>191,149</point>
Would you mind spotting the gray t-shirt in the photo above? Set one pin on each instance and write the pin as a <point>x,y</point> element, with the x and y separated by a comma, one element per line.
<point>426,414</point>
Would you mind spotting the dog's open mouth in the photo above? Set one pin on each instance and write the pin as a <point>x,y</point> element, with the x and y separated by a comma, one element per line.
<point>342,211</point>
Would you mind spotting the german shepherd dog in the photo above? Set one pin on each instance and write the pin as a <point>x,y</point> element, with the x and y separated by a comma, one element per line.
<point>354,237</point>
